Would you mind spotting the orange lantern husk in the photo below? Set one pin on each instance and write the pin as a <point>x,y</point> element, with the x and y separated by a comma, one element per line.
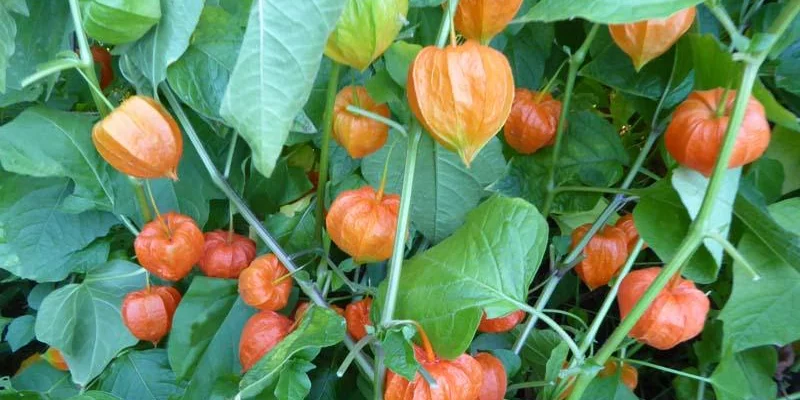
<point>495,381</point>
<point>362,223</point>
<point>357,317</point>
<point>627,225</point>
<point>533,121</point>
<point>260,334</point>
<point>676,315</point>
<point>500,324</point>
<point>695,135</point>
<point>265,284</point>
<point>461,95</point>
<point>457,379</point>
<point>55,358</point>
<point>604,255</point>
<point>148,313</point>
<point>482,20</point>
<point>226,254</point>
<point>169,246</point>
<point>141,139</point>
<point>102,57</point>
<point>645,40</point>
<point>360,136</point>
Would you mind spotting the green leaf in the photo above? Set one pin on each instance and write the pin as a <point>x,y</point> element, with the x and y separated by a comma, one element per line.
<point>20,331</point>
<point>554,364</point>
<point>399,353</point>
<point>42,378</point>
<point>686,388</point>
<point>141,375</point>
<point>605,11</point>
<point>592,155</point>
<point>537,350</point>
<point>511,361</point>
<point>83,320</point>
<point>784,146</point>
<point>608,388</point>
<point>321,327</point>
<point>94,395</point>
<point>166,42</point>
<point>398,58</point>
<point>39,242</point>
<point>528,52</point>
<point>41,34</point>
<point>746,375</point>
<point>663,222</point>
<point>38,293</point>
<point>325,384</point>
<point>444,189</point>
<point>221,357</point>
<point>275,72</point>
<point>691,187</point>
<point>488,264</point>
<point>761,312</point>
<point>199,315</point>
<point>787,72</point>
<point>61,147</point>
<point>261,193</point>
<point>767,176</point>
<point>293,383</point>
<point>294,233</point>
<point>201,75</point>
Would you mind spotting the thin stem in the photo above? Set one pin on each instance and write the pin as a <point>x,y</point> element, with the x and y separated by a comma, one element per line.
<point>578,319</point>
<point>352,354</point>
<point>51,69</point>
<point>229,157</point>
<point>87,60</point>
<point>141,198</point>
<point>97,94</point>
<point>375,117</point>
<point>573,347</point>
<point>528,385</point>
<point>538,307</point>
<point>609,301</point>
<point>667,370</point>
<point>447,20</point>
<point>549,86</point>
<point>738,40</point>
<point>251,218</point>
<point>592,189</point>
<point>330,99</point>
<point>699,227</point>
<point>734,253</point>
<point>575,62</point>
<point>128,224</point>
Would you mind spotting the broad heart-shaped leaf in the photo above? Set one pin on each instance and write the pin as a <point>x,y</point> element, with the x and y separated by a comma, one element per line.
<point>8,30</point>
<point>714,67</point>
<point>294,384</point>
<point>320,327</point>
<point>20,332</point>
<point>763,312</point>
<point>220,357</point>
<point>663,222</point>
<point>608,388</point>
<point>746,375</point>
<point>528,52</point>
<point>197,319</point>
<point>691,187</point>
<point>44,142</point>
<point>201,75</point>
<point>605,11</point>
<point>784,145</point>
<point>275,71</point>
<point>83,320</point>
<point>141,375</point>
<point>94,395</point>
<point>488,263</point>
<point>166,41</point>
<point>592,155</point>
<point>41,377</point>
<point>538,347</point>
<point>37,240</point>
<point>444,189</point>
<point>42,33</point>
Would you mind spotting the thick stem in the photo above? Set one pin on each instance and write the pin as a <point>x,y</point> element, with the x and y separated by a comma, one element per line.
<point>324,156</point>
<point>141,198</point>
<point>699,228</point>
<point>251,218</point>
<point>575,62</point>
<point>541,303</point>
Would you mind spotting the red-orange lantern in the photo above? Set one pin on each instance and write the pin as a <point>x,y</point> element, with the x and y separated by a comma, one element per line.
<point>260,334</point>
<point>362,223</point>
<point>169,246</point>
<point>481,20</point>
<point>357,317</point>
<point>359,135</point>
<point>265,284</point>
<point>604,255</point>
<point>148,313</point>
<point>495,381</point>
<point>500,324</point>
<point>226,254</point>
<point>533,121</point>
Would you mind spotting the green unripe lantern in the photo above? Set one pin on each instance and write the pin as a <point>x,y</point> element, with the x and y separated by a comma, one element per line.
<point>365,30</point>
<point>119,21</point>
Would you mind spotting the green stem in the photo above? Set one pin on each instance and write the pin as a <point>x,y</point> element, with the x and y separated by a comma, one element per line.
<point>87,62</point>
<point>667,370</point>
<point>609,301</point>
<point>141,198</point>
<point>375,117</point>
<point>541,303</point>
<point>447,20</point>
<point>738,40</point>
<point>591,189</point>
<point>737,257</point>
<point>573,347</point>
<point>251,218</point>
<point>330,99</point>
<point>575,62</point>
<point>699,227</point>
